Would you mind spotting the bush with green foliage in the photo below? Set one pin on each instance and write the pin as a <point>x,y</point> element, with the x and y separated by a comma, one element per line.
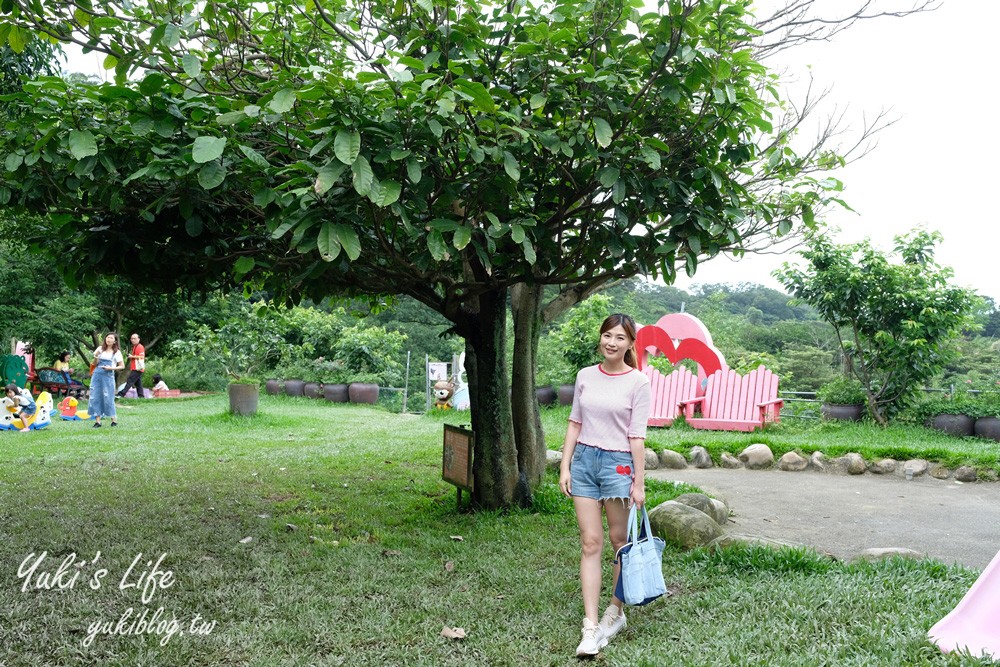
<point>577,336</point>
<point>842,391</point>
<point>371,354</point>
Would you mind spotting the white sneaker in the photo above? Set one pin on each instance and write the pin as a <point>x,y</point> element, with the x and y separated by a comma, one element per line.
<point>612,622</point>
<point>593,639</point>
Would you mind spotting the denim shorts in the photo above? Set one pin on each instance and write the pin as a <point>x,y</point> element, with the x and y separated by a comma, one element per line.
<point>599,474</point>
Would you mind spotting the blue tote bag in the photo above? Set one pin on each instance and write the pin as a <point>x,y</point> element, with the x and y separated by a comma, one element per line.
<point>641,558</point>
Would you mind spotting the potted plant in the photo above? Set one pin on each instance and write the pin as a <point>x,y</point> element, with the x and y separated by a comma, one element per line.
<point>987,413</point>
<point>363,388</point>
<point>952,416</point>
<point>842,398</point>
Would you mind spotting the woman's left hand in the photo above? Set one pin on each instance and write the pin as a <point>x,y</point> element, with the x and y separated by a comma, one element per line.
<point>638,494</point>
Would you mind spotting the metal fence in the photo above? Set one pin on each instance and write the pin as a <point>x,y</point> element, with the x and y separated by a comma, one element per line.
<point>805,405</point>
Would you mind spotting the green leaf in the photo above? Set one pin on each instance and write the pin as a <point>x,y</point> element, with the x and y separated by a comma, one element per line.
<point>529,251</point>
<point>327,242</point>
<point>650,157</point>
<point>327,177</point>
<point>194,226</point>
<point>435,243</point>
<point>609,176</point>
<point>17,39</point>
<point>283,101</point>
<point>192,65</point>
<point>254,156</point>
<point>537,101</point>
<point>349,241</point>
<point>5,195</point>
<point>517,233</point>
<point>82,144</point>
<point>230,117</point>
<point>110,62</point>
<point>363,175</point>
<point>243,265</point>
<point>511,167</point>
<point>347,146</point>
<point>171,35</point>
<point>389,194</point>
<point>602,132</point>
<point>206,148</point>
<point>152,83</point>
<point>462,237</point>
<point>436,128</point>
<point>211,175</point>
<point>481,97</point>
<point>413,170</point>
<point>14,161</point>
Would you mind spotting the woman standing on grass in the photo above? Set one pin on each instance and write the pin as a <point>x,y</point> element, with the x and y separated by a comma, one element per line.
<point>107,360</point>
<point>603,466</point>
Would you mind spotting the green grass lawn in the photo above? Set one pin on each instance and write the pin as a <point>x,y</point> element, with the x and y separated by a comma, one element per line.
<point>357,556</point>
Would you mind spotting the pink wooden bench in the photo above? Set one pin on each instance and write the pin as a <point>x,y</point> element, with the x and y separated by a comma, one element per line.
<point>667,392</point>
<point>733,402</point>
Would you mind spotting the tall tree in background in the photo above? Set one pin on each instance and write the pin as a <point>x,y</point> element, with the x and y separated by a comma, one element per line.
<point>463,154</point>
<point>894,321</point>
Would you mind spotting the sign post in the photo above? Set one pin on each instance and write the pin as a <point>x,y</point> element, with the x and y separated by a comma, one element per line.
<point>456,461</point>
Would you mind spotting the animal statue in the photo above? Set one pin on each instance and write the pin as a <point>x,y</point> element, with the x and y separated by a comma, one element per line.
<point>443,391</point>
<point>7,412</point>
<point>42,416</point>
<point>68,411</point>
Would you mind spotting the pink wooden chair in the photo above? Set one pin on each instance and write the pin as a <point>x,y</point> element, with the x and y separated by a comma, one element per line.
<point>677,336</point>
<point>733,402</point>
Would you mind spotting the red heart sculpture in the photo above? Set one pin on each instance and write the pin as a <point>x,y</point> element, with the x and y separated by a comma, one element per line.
<point>654,339</point>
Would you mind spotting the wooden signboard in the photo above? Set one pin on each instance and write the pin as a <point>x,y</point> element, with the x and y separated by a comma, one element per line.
<point>456,462</point>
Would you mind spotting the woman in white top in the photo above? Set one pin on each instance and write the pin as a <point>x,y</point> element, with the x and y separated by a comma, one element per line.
<point>107,360</point>
<point>603,466</point>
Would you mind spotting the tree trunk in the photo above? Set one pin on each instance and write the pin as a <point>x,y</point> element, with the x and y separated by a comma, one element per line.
<point>526,307</point>
<point>494,466</point>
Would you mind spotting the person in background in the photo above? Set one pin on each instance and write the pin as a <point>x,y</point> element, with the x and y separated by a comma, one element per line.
<point>107,360</point>
<point>62,365</point>
<point>24,403</point>
<point>603,466</point>
<point>159,385</point>
<point>137,366</point>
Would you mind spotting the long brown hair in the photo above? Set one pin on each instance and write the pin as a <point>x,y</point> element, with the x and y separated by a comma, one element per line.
<point>628,324</point>
<point>114,346</point>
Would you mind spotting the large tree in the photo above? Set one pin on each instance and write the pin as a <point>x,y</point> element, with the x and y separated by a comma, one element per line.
<point>467,154</point>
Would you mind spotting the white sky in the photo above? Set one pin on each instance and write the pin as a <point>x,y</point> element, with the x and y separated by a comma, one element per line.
<point>934,167</point>
<point>937,165</point>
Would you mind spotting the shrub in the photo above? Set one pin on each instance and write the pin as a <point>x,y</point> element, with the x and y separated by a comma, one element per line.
<point>842,391</point>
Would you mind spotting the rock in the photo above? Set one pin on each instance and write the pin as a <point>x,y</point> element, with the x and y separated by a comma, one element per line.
<point>887,552</point>
<point>915,468</point>
<point>673,460</point>
<point>855,464</point>
<point>710,506</point>
<point>757,457</point>
<point>731,539</point>
<point>988,475</point>
<point>884,467</point>
<point>683,525</point>
<point>792,462</point>
<point>938,471</point>
<point>729,461</point>
<point>652,460</point>
<point>818,460</point>
<point>700,458</point>
<point>965,474</point>
<point>553,459</point>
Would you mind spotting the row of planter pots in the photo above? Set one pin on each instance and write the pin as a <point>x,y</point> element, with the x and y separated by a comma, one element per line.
<point>355,392</point>
<point>563,394</point>
<point>964,425</point>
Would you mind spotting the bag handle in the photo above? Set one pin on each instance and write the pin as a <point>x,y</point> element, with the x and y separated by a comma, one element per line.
<point>633,536</point>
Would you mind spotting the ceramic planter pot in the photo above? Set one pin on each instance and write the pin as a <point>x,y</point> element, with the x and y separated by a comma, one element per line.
<point>988,427</point>
<point>294,387</point>
<point>566,394</point>
<point>842,412</point>
<point>312,390</point>
<point>243,399</point>
<point>335,393</point>
<point>363,392</point>
<point>545,395</point>
<point>957,425</point>
<point>273,387</point>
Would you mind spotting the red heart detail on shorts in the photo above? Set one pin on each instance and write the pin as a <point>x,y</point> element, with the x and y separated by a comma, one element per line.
<point>628,470</point>
<point>620,470</point>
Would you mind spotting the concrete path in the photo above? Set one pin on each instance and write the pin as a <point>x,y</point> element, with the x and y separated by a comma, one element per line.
<point>846,514</point>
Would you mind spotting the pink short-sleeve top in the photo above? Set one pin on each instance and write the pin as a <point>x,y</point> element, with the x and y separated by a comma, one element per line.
<point>611,408</point>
